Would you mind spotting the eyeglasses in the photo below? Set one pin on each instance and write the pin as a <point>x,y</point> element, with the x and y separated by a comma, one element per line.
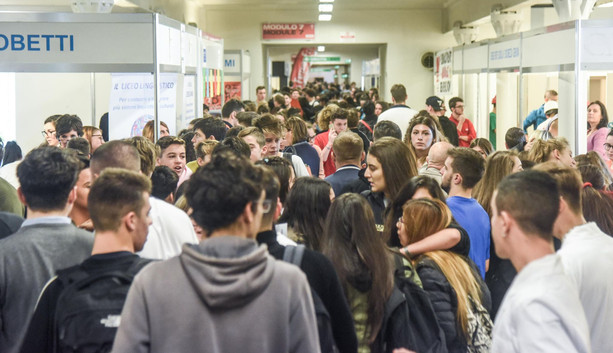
<point>607,146</point>
<point>47,133</point>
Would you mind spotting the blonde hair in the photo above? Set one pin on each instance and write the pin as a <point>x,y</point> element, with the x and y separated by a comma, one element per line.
<point>497,166</point>
<point>541,150</point>
<point>323,118</point>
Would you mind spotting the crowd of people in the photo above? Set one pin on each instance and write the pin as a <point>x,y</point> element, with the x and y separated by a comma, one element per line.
<point>319,220</point>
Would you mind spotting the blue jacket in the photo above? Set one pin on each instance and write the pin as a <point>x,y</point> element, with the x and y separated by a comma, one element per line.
<point>535,118</point>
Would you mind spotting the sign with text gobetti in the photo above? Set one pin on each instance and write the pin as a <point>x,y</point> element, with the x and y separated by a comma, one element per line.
<point>288,31</point>
<point>442,72</point>
<point>75,43</point>
<point>131,103</point>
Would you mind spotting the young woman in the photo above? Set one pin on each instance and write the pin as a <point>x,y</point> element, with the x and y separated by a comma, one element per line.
<point>420,136</point>
<point>597,121</point>
<point>498,165</point>
<point>483,146</point>
<point>459,297</point>
<point>49,131</point>
<point>380,107</point>
<point>94,136</point>
<point>297,142</point>
<point>390,164</point>
<point>148,130</point>
<point>362,262</point>
<point>608,147</point>
<point>557,150</point>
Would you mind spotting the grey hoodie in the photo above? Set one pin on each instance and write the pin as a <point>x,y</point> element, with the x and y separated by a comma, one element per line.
<point>224,295</point>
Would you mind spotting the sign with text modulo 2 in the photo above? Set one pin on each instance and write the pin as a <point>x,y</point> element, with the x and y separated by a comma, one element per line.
<point>78,43</point>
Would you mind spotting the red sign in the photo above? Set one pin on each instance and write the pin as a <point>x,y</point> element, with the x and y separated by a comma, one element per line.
<point>232,90</point>
<point>301,68</point>
<point>288,31</point>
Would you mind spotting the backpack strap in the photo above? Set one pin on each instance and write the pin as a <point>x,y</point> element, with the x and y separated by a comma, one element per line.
<point>293,254</point>
<point>366,125</point>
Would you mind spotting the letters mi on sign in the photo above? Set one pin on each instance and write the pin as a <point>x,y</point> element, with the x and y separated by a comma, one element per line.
<point>288,31</point>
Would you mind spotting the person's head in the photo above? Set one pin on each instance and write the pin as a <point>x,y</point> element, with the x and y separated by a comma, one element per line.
<point>438,154</point>
<point>172,153</point>
<point>557,150</point>
<point>420,186</point>
<point>84,181</point>
<point>369,108</point>
<point>434,104</point>
<point>115,154</point>
<point>593,158</point>
<point>457,106</point>
<point>49,130</point>
<point>483,146</point>
<point>12,153</point>
<point>164,183</point>
<point>260,93</point>
<point>421,134</point>
<point>47,176</point>
<point>390,164</point>
<point>399,94</point>
<point>338,120</point>
<point>272,128</point>
<point>358,255</point>
<point>348,148</point>
<point>93,136</point>
<point>497,166</point>
<point>79,144</point>
<point>284,171</point>
<point>224,195</point>
<point>230,109</point>
<point>323,118</point>
<point>256,141</point>
<point>146,151</point>
<point>278,101</point>
<point>296,131</point>
<point>433,216</point>
<point>608,145</point>
<point>149,133</point>
<point>204,151</point>
<point>313,194</point>
<point>515,139</point>
<point>310,94</point>
<point>524,203</point>
<point>380,107</point>
<point>249,106</point>
<point>551,94</point>
<point>386,128</point>
<point>271,186</point>
<point>597,206</point>
<point>287,96</point>
<point>246,118</point>
<point>209,129</point>
<point>66,127</point>
<point>597,116</point>
<point>118,202</point>
<point>234,145</point>
<point>463,169</point>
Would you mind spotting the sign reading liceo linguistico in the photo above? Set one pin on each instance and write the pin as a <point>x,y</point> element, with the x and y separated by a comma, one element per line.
<point>75,43</point>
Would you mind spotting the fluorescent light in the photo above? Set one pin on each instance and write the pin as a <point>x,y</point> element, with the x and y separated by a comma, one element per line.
<point>601,3</point>
<point>326,0</point>
<point>321,48</point>
<point>325,16</point>
<point>325,7</point>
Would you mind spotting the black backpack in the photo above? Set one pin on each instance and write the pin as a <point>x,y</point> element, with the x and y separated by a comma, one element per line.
<point>409,321</point>
<point>89,308</point>
<point>293,255</point>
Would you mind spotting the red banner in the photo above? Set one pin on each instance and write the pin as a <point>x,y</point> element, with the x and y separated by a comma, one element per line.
<point>232,90</point>
<point>288,31</point>
<point>301,68</point>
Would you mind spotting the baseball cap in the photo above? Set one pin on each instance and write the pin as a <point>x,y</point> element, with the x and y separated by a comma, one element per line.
<point>550,105</point>
<point>435,102</point>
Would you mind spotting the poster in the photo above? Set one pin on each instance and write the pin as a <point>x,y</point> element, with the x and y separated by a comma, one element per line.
<point>189,100</point>
<point>232,90</point>
<point>288,31</point>
<point>131,103</point>
<point>301,67</point>
<point>442,72</point>
<point>213,88</point>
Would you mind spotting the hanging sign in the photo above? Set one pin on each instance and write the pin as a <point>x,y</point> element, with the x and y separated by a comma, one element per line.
<point>288,31</point>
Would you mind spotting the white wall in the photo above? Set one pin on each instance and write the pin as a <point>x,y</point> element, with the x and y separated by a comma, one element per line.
<point>409,34</point>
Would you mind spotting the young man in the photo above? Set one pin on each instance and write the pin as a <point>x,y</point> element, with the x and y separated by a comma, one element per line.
<point>172,155</point>
<point>46,241</point>
<point>463,169</point>
<point>229,111</point>
<point>434,106</point>
<point>399,112</point>
<point>203,154</point>
<point>68,127</point>
<point>537,116</point>
<point>119,204</point>
<point>260,94</point>
<point>256,141</point>
<point>325,140</point>
<point>587,255</point>
<point>164,184</point>
<point>171,227</point>
<point>348,156</point>
<point>465,128</point>
<point>226,294</point>
<point>541,311</point>
<point>273,131</point>
<point>209,129</point>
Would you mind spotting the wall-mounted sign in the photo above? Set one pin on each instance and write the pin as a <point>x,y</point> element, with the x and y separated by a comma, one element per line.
<point>321,59</point>
<point>288,31</point>
<point>442,72</point>
<point>347,37</point>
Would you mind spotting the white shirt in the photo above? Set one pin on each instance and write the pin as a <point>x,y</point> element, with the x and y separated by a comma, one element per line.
<point>171,228</point>
<point>299,167</point>
<point>8,172</point>
<point>541,312</point>
<point>587,256</point>
<point>399,114</point>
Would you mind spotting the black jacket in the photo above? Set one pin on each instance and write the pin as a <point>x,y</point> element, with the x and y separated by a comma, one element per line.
<point>376,201</point>
<point>449,129</point>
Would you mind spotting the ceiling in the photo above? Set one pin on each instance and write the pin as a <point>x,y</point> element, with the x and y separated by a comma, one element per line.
<point>312,4</point>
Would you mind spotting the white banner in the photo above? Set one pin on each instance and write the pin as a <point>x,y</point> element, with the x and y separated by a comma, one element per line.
<point>131,103</point>
<point>189,102</point>
<point>442,72</point>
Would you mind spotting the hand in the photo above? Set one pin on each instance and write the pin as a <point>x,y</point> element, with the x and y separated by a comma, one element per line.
<point>331,136</point>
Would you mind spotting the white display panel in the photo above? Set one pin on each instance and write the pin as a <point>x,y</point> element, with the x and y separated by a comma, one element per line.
<point>475,58</point>
<point>505,54</point>
<point>555,48</point>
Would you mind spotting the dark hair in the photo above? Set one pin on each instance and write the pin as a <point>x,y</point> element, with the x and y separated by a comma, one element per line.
<point>115,193</point>
<point>469,164</point>
<point>387,128</point>
<point>234,131</point>
<point>532,198</point>
<point>104,126</point>
<point>164,182</point>
<point>604,120</point>
<point>422,118</point>
<point>397,162</point>
<point>454,100</point>
<point>283,169</point>
<point>212,127</point>
<point>312,194</point>
<point>65,123</point>
<point>515,138</point>
<point>484,144</point>
<point>348,147</point>
<point>359,257</point>
<point>167,141</point>
<point>12,153</point>
<point>47,176</point>
<point>52,119</point>
<point>219,191</point>
<point>368,108</point>
<point>591,174</point>
<point>231,106</point>
<point>597,207</point>
<point>342,114</point>
<point>399,93</point>
<point>298,128</point>
<point>271,186</point>
<point>569,183</point>
<point>190,152</point>
<point>246,118</point>
<point>79,144</point>
<point>394,210</point>
<point>235,145</point>
<point>268,123</point>
<point>115,154</point>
